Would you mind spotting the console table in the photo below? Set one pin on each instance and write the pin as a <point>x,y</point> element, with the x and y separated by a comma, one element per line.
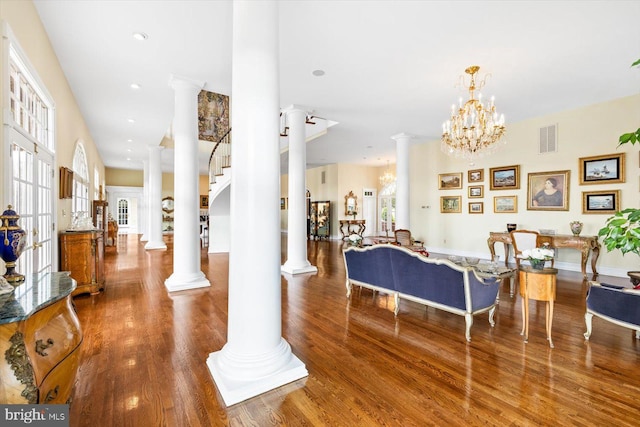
<point>40,339</point>
<point>584,244</point>
<point>350,226</point>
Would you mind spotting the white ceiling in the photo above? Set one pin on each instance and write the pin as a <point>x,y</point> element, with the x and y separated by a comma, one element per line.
<point>391,66</point>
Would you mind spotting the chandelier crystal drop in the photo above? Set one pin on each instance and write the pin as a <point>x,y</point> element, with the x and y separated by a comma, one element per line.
<point>387,177</point>
<point>474,128</point>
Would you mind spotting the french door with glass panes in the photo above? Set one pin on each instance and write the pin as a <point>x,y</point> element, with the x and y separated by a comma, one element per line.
<point>32,197</point>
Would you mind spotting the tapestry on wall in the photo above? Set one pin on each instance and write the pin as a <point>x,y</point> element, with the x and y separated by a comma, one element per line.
<point>213,116</point>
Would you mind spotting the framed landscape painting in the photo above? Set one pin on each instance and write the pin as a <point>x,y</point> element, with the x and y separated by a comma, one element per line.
<point>476,175</point>
<point>450,181</point>
<point>476,207</point>
<point>505,178</point>
<point>475,191</point>
<point>451,204</point>
<point>607,169</point>
<point>548,191</point>
<point>600,202</point>
<point>505,204</point>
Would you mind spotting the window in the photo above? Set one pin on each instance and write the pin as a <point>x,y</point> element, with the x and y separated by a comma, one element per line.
<point>96,184</point>
<point>29,110</point>
<point>123,212</point>
<point>80,201</point>
<point>29,142</point>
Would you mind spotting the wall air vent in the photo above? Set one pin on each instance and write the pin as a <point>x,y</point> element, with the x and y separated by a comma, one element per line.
<point>548,139</point>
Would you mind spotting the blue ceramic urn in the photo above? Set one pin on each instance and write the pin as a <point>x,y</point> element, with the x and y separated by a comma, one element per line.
<point>12,243</point>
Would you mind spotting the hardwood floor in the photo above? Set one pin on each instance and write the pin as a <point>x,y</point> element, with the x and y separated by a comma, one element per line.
<point>144,352</point>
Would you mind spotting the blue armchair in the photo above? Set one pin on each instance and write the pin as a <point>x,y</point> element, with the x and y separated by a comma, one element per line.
<point>616,304</point>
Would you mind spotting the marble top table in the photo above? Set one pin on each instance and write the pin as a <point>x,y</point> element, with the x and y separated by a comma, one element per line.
<point>35,293</point>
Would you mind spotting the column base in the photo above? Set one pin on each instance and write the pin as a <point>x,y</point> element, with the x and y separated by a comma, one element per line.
<point>298,269</point>
<point>235,391</point>
<point>144,238</point>
<point>186,281</point>
<point>155,245</point>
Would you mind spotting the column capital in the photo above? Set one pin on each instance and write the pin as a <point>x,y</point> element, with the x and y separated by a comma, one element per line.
<point>177,81</point>
<point>296,108</point>
<point>403,135</point>
<point>152,147</point>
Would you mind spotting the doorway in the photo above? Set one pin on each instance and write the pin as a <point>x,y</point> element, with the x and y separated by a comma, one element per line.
<point>387,210</point>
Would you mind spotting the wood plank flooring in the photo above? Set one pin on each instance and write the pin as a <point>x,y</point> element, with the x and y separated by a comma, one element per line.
<point>144,352</point>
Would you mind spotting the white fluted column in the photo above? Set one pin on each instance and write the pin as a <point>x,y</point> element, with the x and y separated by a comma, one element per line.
<point>402,181</point>
<point>145,201</point>
<point>297,261</point>
<point>255,358</point>
<point>186,215</point>
<point>155,200</point>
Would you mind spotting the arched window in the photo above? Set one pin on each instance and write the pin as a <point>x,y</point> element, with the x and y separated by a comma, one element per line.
<point>80,180</point>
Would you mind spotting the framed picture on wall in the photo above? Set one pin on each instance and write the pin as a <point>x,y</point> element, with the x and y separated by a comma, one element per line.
<point>450,181</point>
<point>475,191</point>
<point>450,204</point>
<point>204,202</point>
<point>283,203</point>
<point>607,169</point>
<point>505,204</point>
<point>476,207</point>
<point>505,178</point>
<point>600,202</point>
<point>548,191</point>
<point>476,175</point>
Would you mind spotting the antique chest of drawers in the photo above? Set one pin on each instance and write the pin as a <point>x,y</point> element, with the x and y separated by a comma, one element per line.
<point>40,339</point>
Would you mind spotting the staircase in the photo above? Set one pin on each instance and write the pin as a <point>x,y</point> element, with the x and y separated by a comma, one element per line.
<point>220,166</point>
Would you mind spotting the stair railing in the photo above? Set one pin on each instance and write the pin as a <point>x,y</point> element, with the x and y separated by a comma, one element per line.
<point>220,157</point>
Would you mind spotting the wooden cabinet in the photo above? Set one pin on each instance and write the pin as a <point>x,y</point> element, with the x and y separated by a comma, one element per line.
<point>82,254</point>
<point>100,216</point>
<point>320,220</point>
<point>40,339</point>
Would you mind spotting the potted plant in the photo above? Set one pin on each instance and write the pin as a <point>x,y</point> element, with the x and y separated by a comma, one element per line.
<point>622,231</point>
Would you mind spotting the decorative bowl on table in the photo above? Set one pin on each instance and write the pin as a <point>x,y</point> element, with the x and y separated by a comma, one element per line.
<point>471,260</point>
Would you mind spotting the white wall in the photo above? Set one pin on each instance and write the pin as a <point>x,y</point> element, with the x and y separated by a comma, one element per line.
<point>136,215</point>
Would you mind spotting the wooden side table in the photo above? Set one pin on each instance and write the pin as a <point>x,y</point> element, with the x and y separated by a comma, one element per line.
<point>539,285</point>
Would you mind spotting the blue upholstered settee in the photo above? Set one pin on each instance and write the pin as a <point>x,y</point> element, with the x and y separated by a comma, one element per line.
<point>616,304</point>
<point>437,283</point>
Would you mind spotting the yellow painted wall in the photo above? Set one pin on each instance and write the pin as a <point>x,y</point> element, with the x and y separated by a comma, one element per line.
<point>24,22</point>
<point>124,177</point>
<point>135,178</point>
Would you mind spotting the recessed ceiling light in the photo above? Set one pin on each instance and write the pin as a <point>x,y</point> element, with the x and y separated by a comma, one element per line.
<point>129,150</point>
<point>131,120</point>
<point>318,73</point>
<point>129,158</point>
<point>129,140</point>
<point>140,36</point>
<point>135,86</point>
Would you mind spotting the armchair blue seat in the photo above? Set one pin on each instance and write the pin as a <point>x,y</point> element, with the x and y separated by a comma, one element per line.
<point>615,304</point>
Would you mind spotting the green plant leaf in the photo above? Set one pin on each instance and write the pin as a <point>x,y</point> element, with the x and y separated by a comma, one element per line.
<point>636,63</point>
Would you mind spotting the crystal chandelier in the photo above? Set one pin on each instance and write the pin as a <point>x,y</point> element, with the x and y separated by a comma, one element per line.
<point>474,128</point>
<point>387,177</point>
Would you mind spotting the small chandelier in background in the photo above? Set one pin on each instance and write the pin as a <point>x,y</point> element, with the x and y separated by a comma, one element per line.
<point>387,177</point>
<point>474,129</point>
